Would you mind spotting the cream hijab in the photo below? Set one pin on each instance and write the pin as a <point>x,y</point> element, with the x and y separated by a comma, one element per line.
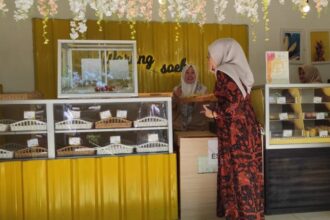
<point>312,74</point>
<point>230,59</point>
<point>188,89</point>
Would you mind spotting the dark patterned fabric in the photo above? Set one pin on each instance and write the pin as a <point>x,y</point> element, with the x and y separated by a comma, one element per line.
<point>240,178</point>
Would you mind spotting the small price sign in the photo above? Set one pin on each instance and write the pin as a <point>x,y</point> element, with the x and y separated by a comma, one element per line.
<point>105,114</point>
<point>121,114</point>
<point>320,115</point>
<point>281,100</point>
<point>323,133</point>
<point>317,99</point>
<point>74,141</point>
<point>283,116</point>
<point>29,114</point>
<point>153,138</point>
<point>115,140</point>
<point>33,142</point>
<point>75,114</point>
<point>287,133</point>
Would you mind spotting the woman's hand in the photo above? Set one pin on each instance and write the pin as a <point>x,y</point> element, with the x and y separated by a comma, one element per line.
<point>208,112</point>
<point>178,92</point>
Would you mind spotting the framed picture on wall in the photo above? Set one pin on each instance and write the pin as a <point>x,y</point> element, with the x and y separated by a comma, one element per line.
<point>292,40</point>
<point>319,43</point>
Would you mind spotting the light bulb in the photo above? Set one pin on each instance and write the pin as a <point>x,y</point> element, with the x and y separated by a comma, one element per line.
<point>306,8</point>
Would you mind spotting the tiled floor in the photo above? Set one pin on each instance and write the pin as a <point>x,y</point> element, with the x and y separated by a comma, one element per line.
<point>301,216</point>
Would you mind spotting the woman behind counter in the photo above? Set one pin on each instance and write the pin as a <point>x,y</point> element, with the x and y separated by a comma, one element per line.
<point>186,115</point>
<point>309,74</point>
<point>240,177</point>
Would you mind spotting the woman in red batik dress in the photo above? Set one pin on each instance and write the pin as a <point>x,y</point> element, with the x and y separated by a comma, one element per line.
<point>240,177</point>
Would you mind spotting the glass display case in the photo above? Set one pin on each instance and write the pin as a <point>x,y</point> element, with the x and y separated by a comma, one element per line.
<point>86,127</point>
<point>23,130</point>
<point>90,68</point>
<point>296,115</point>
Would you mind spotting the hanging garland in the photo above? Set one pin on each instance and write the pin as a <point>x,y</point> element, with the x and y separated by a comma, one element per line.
<point>46,8</point>
<point>22,9</point>
<point>219,9</point>
<point>3,6</point>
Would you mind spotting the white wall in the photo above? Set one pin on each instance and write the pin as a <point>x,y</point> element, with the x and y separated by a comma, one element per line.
<point>16,46</point>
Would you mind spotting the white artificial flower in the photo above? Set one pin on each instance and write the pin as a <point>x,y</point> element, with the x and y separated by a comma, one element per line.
<point>3,6</point>
<point>247,8</point>
<point>22,9</point>
<point>219,8</point>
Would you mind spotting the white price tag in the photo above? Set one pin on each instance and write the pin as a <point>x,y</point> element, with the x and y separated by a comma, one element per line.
<point>287,133</point>
<point>283,116</point>
<point>75,114</point>
<point>33,142</point>
<point>323,133</point>
<point>121,114</point>
<point>317,99</point>
<point>74,141</point>
<point>320,115</point>
<point>272,99</point>
<point>281,100</point>
<point>29,114</point>
<point>153,138</point>
<point>114,139</point>
<point>105,114</point>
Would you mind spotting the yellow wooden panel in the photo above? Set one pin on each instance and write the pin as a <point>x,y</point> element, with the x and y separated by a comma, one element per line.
<point>84,189</point>
<point>134,200</point>
<point>11,198</point>
<point>35,190</point>
<point>59,183</point>
<point>110,197</point>
<point>258,104</point>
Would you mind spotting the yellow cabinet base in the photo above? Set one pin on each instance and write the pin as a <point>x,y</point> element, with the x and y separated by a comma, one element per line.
<point>116,188</point>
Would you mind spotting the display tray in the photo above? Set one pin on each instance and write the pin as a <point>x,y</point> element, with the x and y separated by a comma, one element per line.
<point>5,124</point>
<point>299,140</point>
<point>115,149</point>
<point>75,151</point>
<point>6,154</point>
<point>113,122</point>
<point>28,125</point>
<point>31,152</point>
<point>152,147</point>
<point>73,124</point>
<point>150,121</point>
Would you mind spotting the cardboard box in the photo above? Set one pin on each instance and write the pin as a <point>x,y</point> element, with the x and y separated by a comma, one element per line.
<point>197,191</point>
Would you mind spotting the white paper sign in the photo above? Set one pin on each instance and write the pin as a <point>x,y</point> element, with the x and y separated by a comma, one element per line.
<point>121,114</point>
<point>212,150</point>
<point>323,133</point>
<point>114,139</point>
<point>33,142</point>
<point>74,141</point>
<point>287,133</point>
<point>29,114</point>
<point>320,115</point>
<point>75,114</point>
<point>283,116</point>
<point>91,69</point>
<point>281,100</point>
<point>272,99</point>
<point>105,114</point>
<point>153,138</point>
<point>119,69</point>
<point>317,99</point>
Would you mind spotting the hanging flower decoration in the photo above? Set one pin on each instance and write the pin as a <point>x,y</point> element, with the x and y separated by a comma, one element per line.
<point>22,9</point>
<point>265,6</point>
<point>282,2</point>
<point>197,11</point>
<point>46,8</point>
<point>146,9</point>
<point>3,6</point>
<point>219,9</point>
<point>320,4</point>
<point>248,8</point>
<point>162,9</point>
<point>101,8</point>
<point>78,24</point>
